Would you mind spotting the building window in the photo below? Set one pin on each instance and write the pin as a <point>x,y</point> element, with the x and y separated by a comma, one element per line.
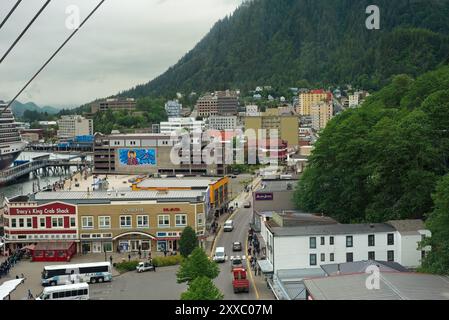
<point>104,222</point>
<point>87,222</point>
<point>390,239</point>
<point>371,255</point>
<point>371,240</point>
<point>313,259</point>
<point>13,223</point>
<point>390,255</point>
<point>72,222</point>
<point>322,241</point>
<point>200,219</point>
<point>349,257</point>
<point>125,221</point>
<point>323,257</point>
<point>331,257</point>
<point>349,243</point>
<point>312,243</point>
<point>21,223</point>
<point>331,241</point>
<point>143,222</point>
<point>181,220</point>
<point>29,222</point>
<point>163,221</point>
<point>57,222</point>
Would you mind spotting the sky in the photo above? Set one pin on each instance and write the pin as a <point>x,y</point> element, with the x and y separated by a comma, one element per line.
<point>125,43</point>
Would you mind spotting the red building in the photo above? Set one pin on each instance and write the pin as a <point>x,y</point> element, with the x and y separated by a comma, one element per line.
<point>49,231</point>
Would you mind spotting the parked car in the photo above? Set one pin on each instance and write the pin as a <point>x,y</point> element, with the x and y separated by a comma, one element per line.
<point>145,266</point>
<point>237,246</point>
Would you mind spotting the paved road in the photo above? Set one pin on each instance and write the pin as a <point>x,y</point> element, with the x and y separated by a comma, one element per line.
<point>159,285</point>
<point>226,239</point>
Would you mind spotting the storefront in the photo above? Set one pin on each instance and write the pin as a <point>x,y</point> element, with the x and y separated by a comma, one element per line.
<point>53,252</point>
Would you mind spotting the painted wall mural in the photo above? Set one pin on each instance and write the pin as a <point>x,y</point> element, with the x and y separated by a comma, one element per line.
<point>137,157</point>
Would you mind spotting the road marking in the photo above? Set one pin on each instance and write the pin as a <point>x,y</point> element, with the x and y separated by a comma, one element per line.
<point>249,270</point>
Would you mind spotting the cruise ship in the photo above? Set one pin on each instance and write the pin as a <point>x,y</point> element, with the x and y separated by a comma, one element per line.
<point>11,144</point>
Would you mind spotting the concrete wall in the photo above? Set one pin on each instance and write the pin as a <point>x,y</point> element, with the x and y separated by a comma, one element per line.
<point>282,200</point>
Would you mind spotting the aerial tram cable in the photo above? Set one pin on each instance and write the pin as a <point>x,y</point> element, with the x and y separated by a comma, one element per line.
<point>25,30</point>
<point>52,56</point>
<point>10,13</point>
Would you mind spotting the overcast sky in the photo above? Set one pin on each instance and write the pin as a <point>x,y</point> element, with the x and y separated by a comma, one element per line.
<point>125,43</point>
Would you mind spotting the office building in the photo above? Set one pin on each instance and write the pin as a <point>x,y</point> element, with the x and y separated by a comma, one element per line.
<point>173,109</point>
<point>182,125</point>
<point>74,125</point>
<point>308,99</point>
<point>222,122</point>
<point>286,126</point>
<point>223,103</point>
<point>115,104</point>
<point>322,113</point>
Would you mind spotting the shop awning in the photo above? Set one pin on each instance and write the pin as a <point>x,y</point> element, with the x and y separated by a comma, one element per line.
<point>29,247</point>
<point>8,287</point>
<point>265,266</point>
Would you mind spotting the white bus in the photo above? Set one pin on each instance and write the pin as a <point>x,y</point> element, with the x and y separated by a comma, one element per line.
<point>76,273</point>
<point>77,291</point>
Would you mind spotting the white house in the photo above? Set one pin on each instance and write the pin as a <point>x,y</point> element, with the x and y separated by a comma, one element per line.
<point>311,245</point>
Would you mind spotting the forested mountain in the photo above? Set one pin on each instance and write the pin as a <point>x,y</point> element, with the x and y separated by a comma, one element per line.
<point>19,108</point>
<point>280,42</point>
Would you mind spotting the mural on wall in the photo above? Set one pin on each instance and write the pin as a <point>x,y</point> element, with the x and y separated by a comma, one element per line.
<point>137,157</point>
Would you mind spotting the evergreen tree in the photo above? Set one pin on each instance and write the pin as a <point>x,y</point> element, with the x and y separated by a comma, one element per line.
<point>197,265</point>
<point>202,288</point>
<point>188,241</point>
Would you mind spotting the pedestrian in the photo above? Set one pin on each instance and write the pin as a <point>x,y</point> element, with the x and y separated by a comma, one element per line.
<point>30,295</point>
<point>149,256</point>
<point>165,252</point>
<point>110,259</point>
<point>129,257</point>
<point>140,254</point>
<point>249,251</point>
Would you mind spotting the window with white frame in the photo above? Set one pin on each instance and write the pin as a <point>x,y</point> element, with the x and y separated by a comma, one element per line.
<point>125,221</point>
<point>104,222</point>
<point>42,223</point>
<point>57,222</point>
<point>143,222</point>
<point>181,220</point>
<point>29,222</point>
<point>13,223</point>
<point>163,221</point>
<point>72,222</point>
<point>200,219</point>
<point>87,222</point>
<point>21,222</point>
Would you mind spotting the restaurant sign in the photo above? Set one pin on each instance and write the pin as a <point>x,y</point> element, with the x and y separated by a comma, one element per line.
<point>48,209</point>
<point>264,196</point>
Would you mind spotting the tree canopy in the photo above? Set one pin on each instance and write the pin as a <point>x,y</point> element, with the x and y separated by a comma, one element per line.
<point>202,288</point>
<point>197,265</point>
<point>188,241</point>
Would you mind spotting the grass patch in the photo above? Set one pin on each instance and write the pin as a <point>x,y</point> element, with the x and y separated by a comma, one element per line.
<point>167,261</point>
<point>126,266</point>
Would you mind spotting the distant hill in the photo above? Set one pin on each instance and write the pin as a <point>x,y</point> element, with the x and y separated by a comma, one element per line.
<point>19,108</point>
<point>325,42</point>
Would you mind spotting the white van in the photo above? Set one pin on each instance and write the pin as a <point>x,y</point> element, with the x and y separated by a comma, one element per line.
<point>220,255</point>
<point>77,291</point>
<point>228,226</point>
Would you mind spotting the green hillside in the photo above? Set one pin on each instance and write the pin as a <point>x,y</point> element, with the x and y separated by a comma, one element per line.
<point>280,42</point>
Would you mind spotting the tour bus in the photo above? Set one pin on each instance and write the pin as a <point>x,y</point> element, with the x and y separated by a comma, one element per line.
<point>77,291</point>
<point>75,273</point>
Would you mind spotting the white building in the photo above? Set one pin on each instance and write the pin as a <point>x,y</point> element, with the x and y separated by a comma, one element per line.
<point>173,108</point>
<point>222,122</point>
<point>74,125</point>
<point>181,124</point>
<point>312,245</point>
<point>357,98</point>
<point>252,110</point>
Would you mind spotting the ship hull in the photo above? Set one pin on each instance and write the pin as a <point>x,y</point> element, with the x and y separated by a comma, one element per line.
<point>7,159</point>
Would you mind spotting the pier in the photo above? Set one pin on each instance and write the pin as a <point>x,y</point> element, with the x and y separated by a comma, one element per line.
<point>43,167</point>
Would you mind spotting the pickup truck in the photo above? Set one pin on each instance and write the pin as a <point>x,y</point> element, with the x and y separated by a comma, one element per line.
<point>240,283</point>
<point>145,266</point>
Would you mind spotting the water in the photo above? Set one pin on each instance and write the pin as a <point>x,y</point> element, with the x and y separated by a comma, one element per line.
<point>25,185</point>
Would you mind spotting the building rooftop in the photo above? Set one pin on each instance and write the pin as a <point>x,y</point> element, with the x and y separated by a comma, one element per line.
<point>277,185</point>
<point>329,229</point>
<point>393,286</point>
<point>360,267</point>
<point>407,226</point>
<point>290,219</point>
<point>194,183</point>
<point>106,197</point>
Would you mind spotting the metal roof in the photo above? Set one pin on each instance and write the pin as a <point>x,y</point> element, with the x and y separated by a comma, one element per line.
<point>393,286</point>
<point>332,229</point>
<point>277,185</point>
<point>177,183</point>
<point>360,266</point>
<point>407,226</point>
<point>102,196</point>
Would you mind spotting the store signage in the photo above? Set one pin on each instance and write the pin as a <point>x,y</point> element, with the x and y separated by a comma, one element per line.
<point>54,208</point>
<point>264,196</point>
<point>172,209</point>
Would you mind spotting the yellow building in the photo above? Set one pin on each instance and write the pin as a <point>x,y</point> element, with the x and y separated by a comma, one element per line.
<point>287,126</point>
<point>217,188</point>
<point>307,100</point>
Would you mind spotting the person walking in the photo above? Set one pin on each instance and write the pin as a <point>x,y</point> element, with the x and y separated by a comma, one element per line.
<point>129,257</point>
<point>30,295</point>
<point>110,259</point>
<point>165,252</point>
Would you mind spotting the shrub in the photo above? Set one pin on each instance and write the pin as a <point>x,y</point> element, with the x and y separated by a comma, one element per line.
<point>126,266</point>
<point>167,261</point>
